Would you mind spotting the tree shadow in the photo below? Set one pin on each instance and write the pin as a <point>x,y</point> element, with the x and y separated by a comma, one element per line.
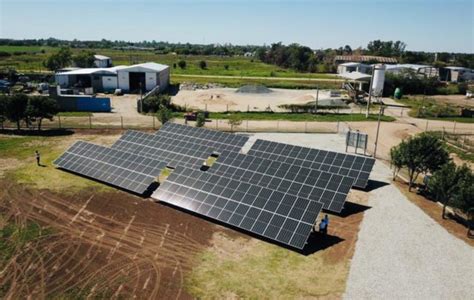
<point>45,132</point>
<point>351,208</point>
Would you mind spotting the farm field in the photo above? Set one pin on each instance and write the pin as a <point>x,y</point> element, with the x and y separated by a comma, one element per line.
<point>236,66</point>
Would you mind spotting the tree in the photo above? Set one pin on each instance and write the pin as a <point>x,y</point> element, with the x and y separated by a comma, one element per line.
<point>453,184</point>
<point>182,64</point>
<point>3,108</point>
<point>421,154</point>
<point>40,108</point>
<point>203,64</point>
<point>164,114</point>
<point>396,158</point>
<point>85,59</point>
<point>200,119</point>
<point>59,60</point>
<point>15,108</point>
<point>226,67</point>
<point>234,120</point>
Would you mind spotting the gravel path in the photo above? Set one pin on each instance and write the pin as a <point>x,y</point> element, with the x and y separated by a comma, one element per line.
<point>403,253</point>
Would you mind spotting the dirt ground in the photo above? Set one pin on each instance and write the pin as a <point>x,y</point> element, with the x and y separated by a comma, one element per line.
<point>457,100</point>
<point>223,99</point>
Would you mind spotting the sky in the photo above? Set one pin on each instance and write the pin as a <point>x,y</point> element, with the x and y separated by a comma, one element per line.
<point>424,25</point>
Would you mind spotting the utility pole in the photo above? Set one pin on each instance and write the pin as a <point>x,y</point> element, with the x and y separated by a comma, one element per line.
<point>378,129</point>
<point>370,92</point>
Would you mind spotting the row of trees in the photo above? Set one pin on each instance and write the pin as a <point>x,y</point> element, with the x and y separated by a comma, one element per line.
<point>64,58</point>
<point>425,154</point>
<point>20,107</point>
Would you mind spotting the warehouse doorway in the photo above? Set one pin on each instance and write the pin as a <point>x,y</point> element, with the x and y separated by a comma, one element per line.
<point>137,79</point>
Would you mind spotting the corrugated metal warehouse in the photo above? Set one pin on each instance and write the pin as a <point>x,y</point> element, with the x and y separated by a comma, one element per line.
<point>127,78</point>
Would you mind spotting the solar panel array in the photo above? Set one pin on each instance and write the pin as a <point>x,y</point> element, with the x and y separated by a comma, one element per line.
<point>353,166</point>
<point>276,190</point>
<point>131,172</point>
<point>328,188</point>
<point>275,215</point>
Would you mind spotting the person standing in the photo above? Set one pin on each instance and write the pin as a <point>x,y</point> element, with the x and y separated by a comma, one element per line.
<point>323,227</point>
<point>38,158</point>
<point>326,220</point>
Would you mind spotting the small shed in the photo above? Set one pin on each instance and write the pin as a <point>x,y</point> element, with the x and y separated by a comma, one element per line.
<point>102,61</point>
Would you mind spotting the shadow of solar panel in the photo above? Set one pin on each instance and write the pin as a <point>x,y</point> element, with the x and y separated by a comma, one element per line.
<point>327,188</point>
<point>277,216</point>
<point>128,171</point>
<point>356,167</point>
<point>219,141</point>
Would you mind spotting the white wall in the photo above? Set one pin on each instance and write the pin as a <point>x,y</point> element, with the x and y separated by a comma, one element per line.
<point>150,80</point>
<point>109,83</point>
<point>164,79</point>
<point>101,63</point>
<point>123,80</point>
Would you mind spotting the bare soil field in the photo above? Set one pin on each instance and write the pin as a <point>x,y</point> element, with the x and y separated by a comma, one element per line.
<point>223,99</point>
<point>456,100</point>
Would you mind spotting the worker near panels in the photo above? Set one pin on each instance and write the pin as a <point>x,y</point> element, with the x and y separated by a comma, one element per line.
<point>38,158</point>
<point>326,220</point>
<point>323,227</point>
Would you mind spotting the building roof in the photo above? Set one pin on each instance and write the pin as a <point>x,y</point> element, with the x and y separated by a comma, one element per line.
<point>101,57</point>
<point>407,66</point>
<point>353,64</point>
<point>458,68</point>
<point>365,58</point>
<point>356,76</point>
<point>145,67</point>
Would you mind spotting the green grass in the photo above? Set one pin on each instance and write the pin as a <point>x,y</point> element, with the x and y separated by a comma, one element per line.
<point>329,117</point>
<point>74,114</point>
<point>22,151</point>
<point>416,105</point>
<point>14,237</point>
<point>237,65</point>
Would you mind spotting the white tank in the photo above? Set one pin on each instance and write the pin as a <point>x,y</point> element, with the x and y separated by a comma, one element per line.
<point>378,81</point>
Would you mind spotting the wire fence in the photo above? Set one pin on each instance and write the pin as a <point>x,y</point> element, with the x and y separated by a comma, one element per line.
<point>151,122</point>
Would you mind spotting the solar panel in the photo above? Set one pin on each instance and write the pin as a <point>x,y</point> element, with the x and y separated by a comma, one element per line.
<point>173,152</point>
<point>328,188</point>
<point>218,140</point>
<point>269,213</point>
<point>353,166</point>
<point>131,172</point>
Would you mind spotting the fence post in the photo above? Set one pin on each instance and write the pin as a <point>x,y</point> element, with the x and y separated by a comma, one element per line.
<point>59,122</point>
<point>305,126</point>
<point>217,121</point>
<point>337,128</point>
<point>454,128</point>
<point>90,122</point>
<point>426,128</point>
<point>247,129</point>
<point>278,126</point>
<point>154,127</point>
<point>121,122</point>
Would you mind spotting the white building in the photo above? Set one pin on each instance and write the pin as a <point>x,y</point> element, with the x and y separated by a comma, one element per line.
<point>353,67</point>
<point>127,78</point>
<point>102,61</point>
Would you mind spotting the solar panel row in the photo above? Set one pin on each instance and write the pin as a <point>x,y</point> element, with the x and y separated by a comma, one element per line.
<point>278,216</point>
<point>328,188</point>
<point>131,172</point>
<point>353,166</point>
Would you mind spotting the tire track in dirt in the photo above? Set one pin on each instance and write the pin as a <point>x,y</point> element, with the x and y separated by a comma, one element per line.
<point>102,245</point>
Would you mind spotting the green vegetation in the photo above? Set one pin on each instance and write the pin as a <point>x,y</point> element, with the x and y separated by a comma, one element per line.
<point>422,154</point>
<point>200,119</point>
<point>14,237</point>
<point>268,116</point>
<point>20,152</point>
<point>20,107</point>
<point>464,155</point>
<point>453,185</point>
<point>425,108</point>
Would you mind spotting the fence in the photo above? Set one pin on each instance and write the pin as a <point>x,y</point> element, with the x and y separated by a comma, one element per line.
<point>151,122</point>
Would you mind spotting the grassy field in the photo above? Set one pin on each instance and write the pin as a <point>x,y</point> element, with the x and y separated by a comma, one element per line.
<point>216,65</point>
<point>429,108</point>
<point>19,152</point>
<point>330,117</point>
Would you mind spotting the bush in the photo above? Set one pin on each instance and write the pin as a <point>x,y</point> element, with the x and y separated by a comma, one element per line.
<point>203,64</point>
<point>5,54</point>
<point>182,64</point>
